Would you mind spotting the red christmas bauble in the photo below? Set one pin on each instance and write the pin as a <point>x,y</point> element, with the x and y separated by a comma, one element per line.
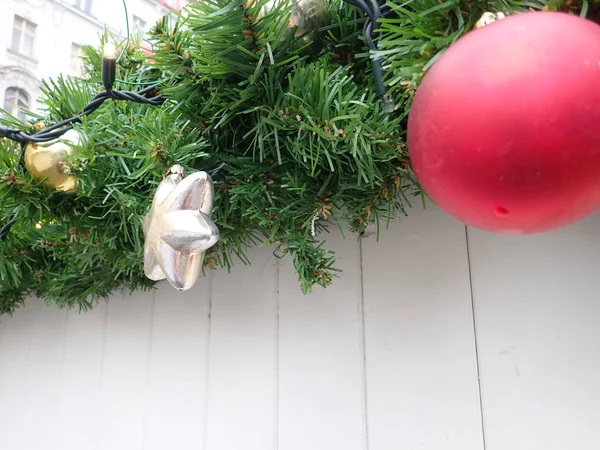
<point>504,131</point>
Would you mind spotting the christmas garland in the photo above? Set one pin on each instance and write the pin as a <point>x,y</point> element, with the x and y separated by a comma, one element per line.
<point>290,127</point>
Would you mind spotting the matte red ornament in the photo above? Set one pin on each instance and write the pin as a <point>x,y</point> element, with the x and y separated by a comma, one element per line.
<point>504,131</point>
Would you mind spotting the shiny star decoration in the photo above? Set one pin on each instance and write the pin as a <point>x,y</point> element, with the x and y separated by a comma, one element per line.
<point>178,228</point>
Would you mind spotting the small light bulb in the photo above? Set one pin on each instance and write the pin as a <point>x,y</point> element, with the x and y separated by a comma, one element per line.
<point>109,66</point>
<point>109,50</point>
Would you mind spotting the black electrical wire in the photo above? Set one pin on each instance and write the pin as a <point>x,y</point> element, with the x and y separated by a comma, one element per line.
<point>57,130</point>
<point>7,227</point>
<point>375,12</point>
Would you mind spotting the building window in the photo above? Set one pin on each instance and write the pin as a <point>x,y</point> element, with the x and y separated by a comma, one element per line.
<point>84,5</point>
<point>139,25</point>
<point>22,38</point>
<point>76,63</point>
<point>14,100</point>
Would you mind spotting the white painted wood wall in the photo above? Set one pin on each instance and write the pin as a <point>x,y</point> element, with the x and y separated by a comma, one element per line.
<point>435,338</point>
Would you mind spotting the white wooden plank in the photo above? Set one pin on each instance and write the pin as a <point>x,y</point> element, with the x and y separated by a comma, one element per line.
<point>321,383</point>
<point>79,414</point>
<point>44,375</point>
<point>15,337</point>
<point>241,381</point>
<point>537,304</point>
<point>125,371</point>
<point>176,412</point>
<point>422,388</point>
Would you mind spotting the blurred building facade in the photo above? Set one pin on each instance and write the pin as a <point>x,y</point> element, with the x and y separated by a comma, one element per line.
<point>44,38</point>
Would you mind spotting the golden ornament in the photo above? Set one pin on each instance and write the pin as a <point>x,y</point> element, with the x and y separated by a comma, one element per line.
<point>48,161</point>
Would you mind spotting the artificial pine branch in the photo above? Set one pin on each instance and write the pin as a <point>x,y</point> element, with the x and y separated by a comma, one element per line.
<point>285,132</point>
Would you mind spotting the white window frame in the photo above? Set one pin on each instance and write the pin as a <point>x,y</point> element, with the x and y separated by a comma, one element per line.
<point>19,99</point>
<point>24,28</point>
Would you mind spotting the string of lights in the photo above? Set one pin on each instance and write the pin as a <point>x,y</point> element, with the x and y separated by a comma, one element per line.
<point>150,96</point>
<point>60,128</point>
<point>147,95</point>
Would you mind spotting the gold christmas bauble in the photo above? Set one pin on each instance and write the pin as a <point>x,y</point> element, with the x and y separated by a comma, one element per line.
<point>47,161</point>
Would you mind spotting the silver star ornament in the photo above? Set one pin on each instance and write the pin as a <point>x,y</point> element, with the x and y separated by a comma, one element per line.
<point>178,228</point>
